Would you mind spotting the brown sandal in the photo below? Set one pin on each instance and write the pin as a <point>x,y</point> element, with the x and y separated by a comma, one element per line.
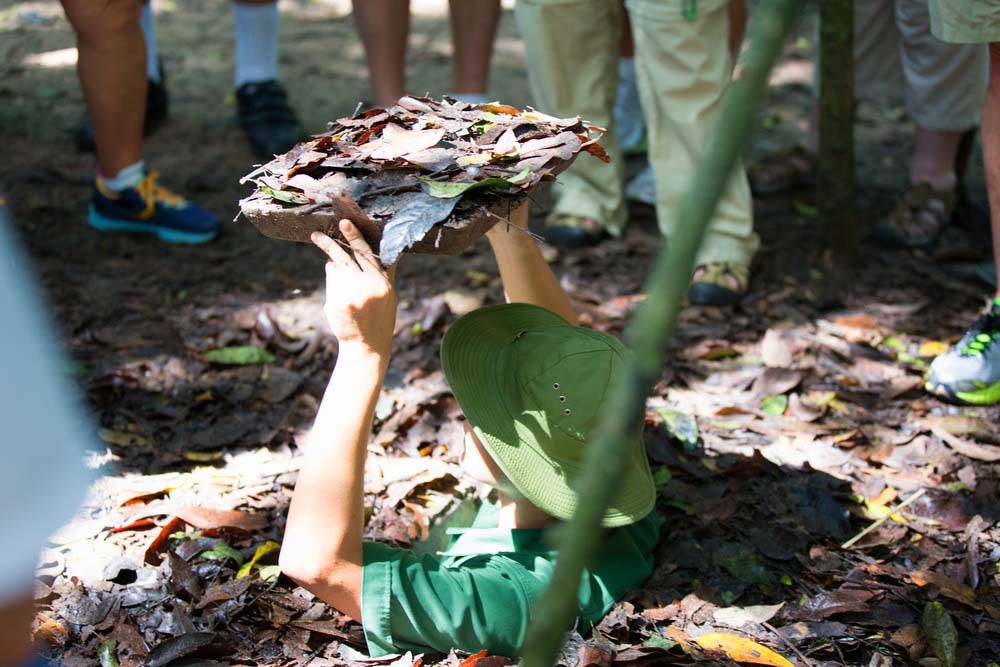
<point>918,219</point>
<point>791,168</point>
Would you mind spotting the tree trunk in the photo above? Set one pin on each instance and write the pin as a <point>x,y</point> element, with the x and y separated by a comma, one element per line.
<point>835,190</point>
<point>652,326</point>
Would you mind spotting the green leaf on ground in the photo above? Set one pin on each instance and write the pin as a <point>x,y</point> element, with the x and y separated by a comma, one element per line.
<point>805,209</point>
<point>658,641</point>
<point>940,632</point>
<point>107,654</point>
<point>240,355</point>
<point>661,478</point>
<point>221,551</point>
<point>774,405</point>
<point>682,426</point>
<point>269,573</point>
<point>741,562</point>
<point>261,551</point>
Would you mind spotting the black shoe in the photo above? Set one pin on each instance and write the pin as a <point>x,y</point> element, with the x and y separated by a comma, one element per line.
<point>270,124</point>
<point>157,110</point>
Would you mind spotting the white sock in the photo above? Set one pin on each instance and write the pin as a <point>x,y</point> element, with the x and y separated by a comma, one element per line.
<point>470,98</point>
<point>148,23</point>
<point>127,177</point>
<point>255,28</point>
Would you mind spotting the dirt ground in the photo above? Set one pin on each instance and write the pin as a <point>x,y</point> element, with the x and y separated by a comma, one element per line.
<point>780,428</point>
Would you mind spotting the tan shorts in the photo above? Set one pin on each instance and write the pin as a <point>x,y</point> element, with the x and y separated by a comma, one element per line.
<point>965,21</point>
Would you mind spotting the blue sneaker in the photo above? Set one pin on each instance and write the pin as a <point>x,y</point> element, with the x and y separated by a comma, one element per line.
<point>152,209</point>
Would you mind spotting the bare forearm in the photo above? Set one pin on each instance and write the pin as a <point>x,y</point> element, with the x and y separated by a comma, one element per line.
<point>527,277</point>
<point>322,544</point>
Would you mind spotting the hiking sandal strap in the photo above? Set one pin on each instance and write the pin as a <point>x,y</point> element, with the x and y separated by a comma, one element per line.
<point>921,214</point>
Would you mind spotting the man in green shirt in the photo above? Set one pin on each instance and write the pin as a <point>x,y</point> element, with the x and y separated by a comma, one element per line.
<point>532,387</point>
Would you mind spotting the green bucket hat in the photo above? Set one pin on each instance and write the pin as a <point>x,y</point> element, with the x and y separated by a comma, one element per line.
<point>533,388</point>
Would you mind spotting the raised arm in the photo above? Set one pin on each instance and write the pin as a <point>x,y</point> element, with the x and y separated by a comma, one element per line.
<point>526,275</point>
<point>321,549</point>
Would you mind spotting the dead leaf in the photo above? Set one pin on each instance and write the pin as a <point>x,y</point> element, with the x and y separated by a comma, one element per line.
<point>775,381</point>
<point>178,647</point>
<point>948,587</point>
<point>737,617</point>
<point>776,349</point>
<point>153,550</point>
<point>741,649</point>
<point>208,518</point>
<point>968,448</point>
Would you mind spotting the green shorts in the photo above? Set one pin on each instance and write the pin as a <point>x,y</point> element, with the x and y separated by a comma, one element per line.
<point>965,21</point>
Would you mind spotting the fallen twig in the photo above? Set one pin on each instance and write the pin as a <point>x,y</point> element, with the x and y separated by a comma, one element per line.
<point>913,496</point>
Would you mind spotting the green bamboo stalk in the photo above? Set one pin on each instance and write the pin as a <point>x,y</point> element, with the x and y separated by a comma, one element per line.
<point>835,187</point>
<point>653,324</point>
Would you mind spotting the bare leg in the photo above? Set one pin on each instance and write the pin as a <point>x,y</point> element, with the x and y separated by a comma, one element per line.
<point>383,26</point>
<point>15,619</point>
<point>626,47</point>
<point>112,70</point>
<point>991,150</point>
<point>933,161</point>
<point>473,27</point>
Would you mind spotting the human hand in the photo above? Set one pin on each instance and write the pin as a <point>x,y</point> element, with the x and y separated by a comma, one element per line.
<point>360,294</point>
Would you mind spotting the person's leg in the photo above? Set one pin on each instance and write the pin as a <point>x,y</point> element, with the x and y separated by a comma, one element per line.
<point>629,124</point>
<point>255,32</point>
<point>572,54</point>
<point>383,26</point>
<point>157,100</point>
<point>944,89</point>
<point>737,25</point>
<point>112,70</point>
<point>268,121</point>
<point>473,28</point>
<point>684,67</point>
<point>15,621</point>
<point>991,150</point>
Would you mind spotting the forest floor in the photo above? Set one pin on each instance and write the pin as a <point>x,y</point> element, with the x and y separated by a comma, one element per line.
<point>779,429</point>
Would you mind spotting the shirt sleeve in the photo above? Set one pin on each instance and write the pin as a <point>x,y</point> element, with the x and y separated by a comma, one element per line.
<point>416,603</point>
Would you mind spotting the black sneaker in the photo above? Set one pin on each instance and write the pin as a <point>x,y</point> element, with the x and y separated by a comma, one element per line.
<point>157,109</point>
<point>270,124</point>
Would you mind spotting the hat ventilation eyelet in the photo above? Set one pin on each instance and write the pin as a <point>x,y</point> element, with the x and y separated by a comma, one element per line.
<point>567,411</point>
<point>562,399</point>
<point>555,385</point>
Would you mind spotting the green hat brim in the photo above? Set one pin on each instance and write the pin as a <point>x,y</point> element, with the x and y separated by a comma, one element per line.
<point>475,361</point>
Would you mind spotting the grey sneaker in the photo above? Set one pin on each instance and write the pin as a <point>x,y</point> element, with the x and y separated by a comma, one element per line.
<point>970,371</point>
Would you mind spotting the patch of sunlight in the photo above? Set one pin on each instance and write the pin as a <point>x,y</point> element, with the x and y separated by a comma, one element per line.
<point>794,71</point>
<point>52,59</point>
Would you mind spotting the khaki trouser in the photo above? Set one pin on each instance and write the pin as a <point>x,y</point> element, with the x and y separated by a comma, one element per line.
<point>682,67</point>
<point>966,21</point>
<point>944,84</point>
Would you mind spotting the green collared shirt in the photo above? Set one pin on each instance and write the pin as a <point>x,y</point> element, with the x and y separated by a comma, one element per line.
<point>482,591</point>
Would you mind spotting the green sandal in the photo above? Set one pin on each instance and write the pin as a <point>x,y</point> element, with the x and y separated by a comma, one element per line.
<point>719,284</point>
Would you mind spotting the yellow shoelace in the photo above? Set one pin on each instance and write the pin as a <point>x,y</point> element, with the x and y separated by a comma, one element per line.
<point>151,193</point>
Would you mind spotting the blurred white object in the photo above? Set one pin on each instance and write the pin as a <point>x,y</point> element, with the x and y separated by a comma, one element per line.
<point>642,188</point>
<point>42,478</point>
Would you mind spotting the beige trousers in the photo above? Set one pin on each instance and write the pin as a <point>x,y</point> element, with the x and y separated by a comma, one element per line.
<point>683,67</point>
<point>944,85</point>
